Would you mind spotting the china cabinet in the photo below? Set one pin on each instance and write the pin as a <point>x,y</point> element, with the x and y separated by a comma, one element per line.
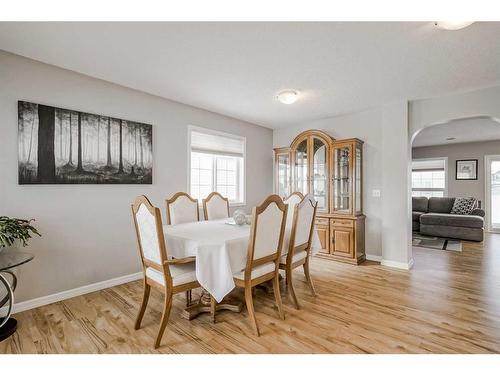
<point>330,170</point>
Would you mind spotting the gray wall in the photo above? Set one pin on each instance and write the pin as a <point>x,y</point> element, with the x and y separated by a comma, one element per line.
<point>458,151</point>
<point>87,229</point>
<point>364,125</point>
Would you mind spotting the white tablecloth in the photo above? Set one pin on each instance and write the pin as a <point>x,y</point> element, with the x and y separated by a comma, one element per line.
<point>220,250</point>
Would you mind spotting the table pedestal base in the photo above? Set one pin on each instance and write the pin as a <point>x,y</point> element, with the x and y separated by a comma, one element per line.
<point>8,329</point>
<point>203,306</point>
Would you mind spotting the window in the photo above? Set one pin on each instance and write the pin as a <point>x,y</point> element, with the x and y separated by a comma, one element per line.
<point>217,164</point>
<point>428,177</point>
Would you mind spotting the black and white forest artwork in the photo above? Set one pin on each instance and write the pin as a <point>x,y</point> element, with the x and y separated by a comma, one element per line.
<point>62,146</point>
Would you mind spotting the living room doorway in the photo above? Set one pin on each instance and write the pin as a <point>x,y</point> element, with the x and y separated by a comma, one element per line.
<point>492,193</point>
<point>455,183</point>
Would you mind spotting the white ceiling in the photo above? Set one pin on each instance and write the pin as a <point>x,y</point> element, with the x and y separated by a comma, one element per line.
<point>237,68</point>
<point>467,130</point>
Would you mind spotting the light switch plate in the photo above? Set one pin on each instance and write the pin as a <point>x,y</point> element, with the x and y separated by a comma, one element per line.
<point>376,193</point>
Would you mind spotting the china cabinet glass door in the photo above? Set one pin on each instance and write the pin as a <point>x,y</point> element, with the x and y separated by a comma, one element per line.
<point>357,181</point>
<point>283,175</point>
<point>342,179</point>
<point>319,177</point>
<point>301,168</point>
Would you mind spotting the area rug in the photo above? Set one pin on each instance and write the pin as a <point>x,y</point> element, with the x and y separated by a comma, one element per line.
<point>437,243</point>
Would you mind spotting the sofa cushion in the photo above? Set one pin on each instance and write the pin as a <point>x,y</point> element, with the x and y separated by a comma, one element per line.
<point>477,212</point>
<point>440,205</point>
<point>415,215</point>
<point>462,233</point>
<point>467,221</point>
<point>419,204</point>
<point>463,206</point>
<point>415,226</point>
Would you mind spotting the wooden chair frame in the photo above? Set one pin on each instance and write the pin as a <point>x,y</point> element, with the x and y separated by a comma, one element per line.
<point>164,267</point>
<point>289,266</point>
<point>208,198</point>
<point>298,193</point>
<point>248,284</point>
<point>172,200</point>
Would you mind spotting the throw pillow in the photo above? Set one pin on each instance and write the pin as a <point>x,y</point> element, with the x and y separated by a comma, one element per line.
<point>463,206</point>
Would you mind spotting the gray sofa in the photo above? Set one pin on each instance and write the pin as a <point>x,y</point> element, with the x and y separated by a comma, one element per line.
<point>431,216</point>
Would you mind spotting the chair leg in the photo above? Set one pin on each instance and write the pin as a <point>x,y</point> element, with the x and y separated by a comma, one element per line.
<point>251,311</point>
<point>277,296</point>
<point>291,290</point>
<point>212,308</point>
<point>167,306</point>
<point>308,277</point>
<point>145,299</point>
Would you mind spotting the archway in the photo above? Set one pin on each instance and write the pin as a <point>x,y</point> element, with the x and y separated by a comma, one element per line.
<point>439,151</point>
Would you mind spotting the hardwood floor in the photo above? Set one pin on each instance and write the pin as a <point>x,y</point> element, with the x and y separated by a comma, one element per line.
<point>448,303</point>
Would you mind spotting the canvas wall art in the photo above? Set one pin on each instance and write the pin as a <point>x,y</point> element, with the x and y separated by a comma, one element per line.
<point>62,146</point>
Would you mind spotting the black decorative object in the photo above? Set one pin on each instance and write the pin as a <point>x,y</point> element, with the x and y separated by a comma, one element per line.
<point>466,169</point>
<point>61,146</point>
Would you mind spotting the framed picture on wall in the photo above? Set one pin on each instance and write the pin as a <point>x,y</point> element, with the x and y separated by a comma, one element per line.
<point>466,169</point>
<point>62,146</point>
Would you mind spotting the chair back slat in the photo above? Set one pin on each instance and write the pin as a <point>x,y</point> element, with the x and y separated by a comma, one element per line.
<point>182,208</point>
<point>149,230</point>
<point>292,200</point>
<point>215,206</point>
<point>267,231</point>
<point>305,220</point>
<point>304,216</point>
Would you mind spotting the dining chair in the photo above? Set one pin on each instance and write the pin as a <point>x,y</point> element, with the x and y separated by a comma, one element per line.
<point>299,244</point>
<point>169,276</point>
<point>264,250</point>
<point>215,206</point>
<point>182,208</point>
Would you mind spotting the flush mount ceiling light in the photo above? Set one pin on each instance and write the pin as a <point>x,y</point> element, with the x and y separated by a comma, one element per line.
<point>452,25</point>
<point>287,96</point>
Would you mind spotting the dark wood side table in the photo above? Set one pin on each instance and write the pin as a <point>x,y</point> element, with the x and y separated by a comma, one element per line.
<point>8,261</point>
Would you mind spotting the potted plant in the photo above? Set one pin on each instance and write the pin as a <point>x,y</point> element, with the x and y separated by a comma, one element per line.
<point>12,229</point>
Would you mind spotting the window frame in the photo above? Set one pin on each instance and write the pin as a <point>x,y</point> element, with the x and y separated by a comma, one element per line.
<point>241,175</point>
<point>445,190</point>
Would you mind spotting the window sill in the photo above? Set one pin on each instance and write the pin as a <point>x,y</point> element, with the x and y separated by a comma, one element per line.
<point>237,204</point>
<point>231,204</point>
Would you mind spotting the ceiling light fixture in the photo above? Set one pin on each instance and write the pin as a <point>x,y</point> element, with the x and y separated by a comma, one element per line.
<point>287,96</point>
<point>450,139</point>
<point>452,25</point>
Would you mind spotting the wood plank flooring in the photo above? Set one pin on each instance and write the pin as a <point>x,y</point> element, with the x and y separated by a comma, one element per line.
<point>448,303</point>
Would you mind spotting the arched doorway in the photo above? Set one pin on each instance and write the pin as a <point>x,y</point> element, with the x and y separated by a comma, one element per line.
<point>455,158</point>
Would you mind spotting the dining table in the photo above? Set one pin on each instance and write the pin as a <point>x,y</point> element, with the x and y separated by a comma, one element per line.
<point>220,247</point>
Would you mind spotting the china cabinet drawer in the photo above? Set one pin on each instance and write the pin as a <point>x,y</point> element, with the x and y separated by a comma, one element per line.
<point>342,223</point>
<point>321,221</point>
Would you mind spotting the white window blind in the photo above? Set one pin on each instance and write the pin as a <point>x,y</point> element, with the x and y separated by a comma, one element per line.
<point>218,144</point>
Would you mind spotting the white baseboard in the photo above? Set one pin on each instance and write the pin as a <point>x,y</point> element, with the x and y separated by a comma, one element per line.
<point>400,265</point>
<point>46,300</point>
<point>375,258</point>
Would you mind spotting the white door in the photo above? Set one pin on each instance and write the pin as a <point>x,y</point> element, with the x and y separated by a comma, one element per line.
<point>492,164</point>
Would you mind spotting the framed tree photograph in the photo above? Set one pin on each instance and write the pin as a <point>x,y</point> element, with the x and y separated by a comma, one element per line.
<point>466,169</point>
<point>62,146</point>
